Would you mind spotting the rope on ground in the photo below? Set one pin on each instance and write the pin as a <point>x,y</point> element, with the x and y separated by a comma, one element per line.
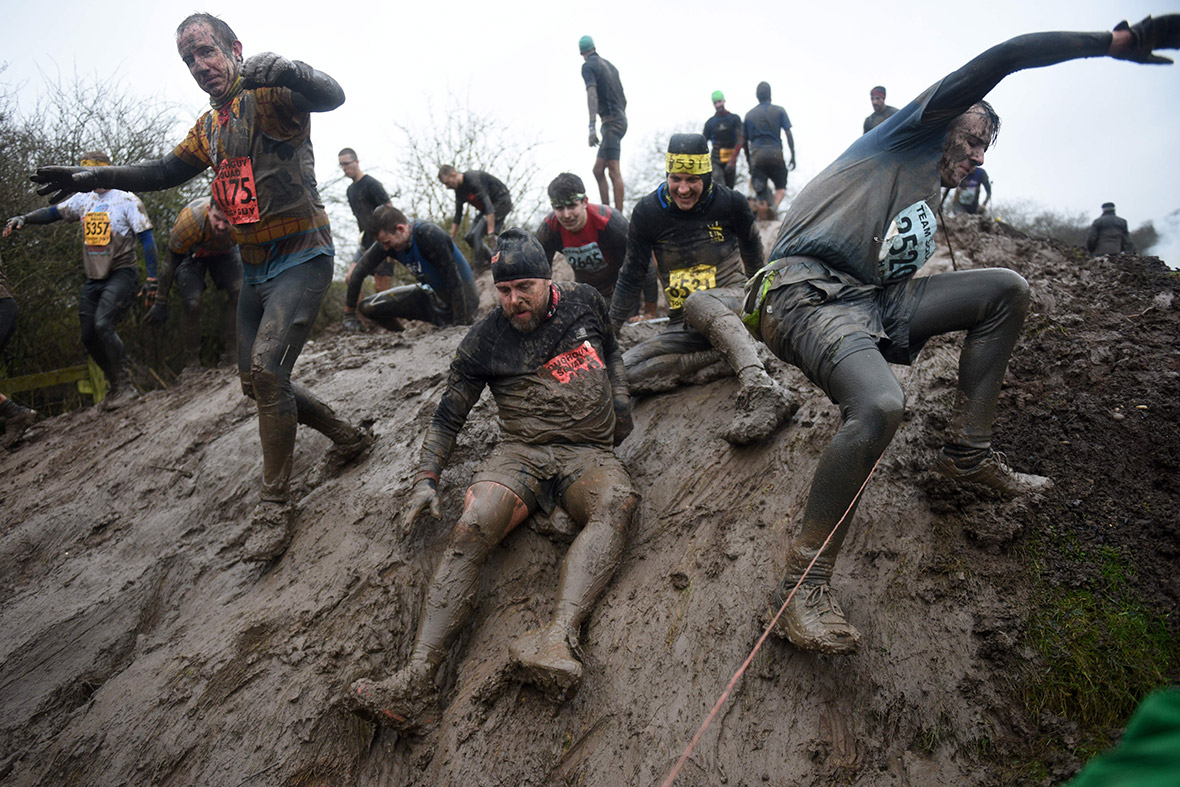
<point>758,645</point>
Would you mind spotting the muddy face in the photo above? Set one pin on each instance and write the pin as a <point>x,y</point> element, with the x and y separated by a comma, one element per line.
<point>217,219</point>
<point>686,190</point>
<point>214,66</point>
<point>524,301</point>
<point>572,217</point>
<point>966,142</point>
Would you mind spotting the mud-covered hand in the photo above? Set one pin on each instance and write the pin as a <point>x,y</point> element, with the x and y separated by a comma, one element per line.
<point>593,136</point>
<point>148,292</point>
<point>1161,32</point>
<point>58,183</point>
<point>623,422</point>
<point>15,223</point>
<point>158,314</point>
<point>351,323</point>
<point>424,494</point>
<point>267,69</point>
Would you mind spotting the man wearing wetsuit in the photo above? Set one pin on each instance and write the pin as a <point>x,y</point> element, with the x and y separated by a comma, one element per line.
<point>706,245</point>
<point>365,194</point>
<point>1109,234</point>
<point>17,418</point>
<point>605,99</point>
<point>966,199</point>
<point>257,137</point>
<point>550,357</point>
<point>764,150</point>
<point>445,293</point>
<point>111,221</point>
<point>592,238</point>
<point>840,301</point>
<point>881,110</point>
<point>492,203</point>
<point>201,241</point>
<point>724,132</point>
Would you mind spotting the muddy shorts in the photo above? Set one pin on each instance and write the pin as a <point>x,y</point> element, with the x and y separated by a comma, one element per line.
<point>767,164</point>
<point>540,474</point>
<point>816,322</point>
<point>613,131</point>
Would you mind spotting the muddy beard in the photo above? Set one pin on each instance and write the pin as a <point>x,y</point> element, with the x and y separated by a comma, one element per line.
<point>525,324</point>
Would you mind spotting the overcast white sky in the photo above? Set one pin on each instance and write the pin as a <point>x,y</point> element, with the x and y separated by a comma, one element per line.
<point>1074,135</point>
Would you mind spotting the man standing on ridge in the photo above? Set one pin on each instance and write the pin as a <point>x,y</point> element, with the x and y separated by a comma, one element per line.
<point>881,110</point>
<point>257,137</point>
<point>111,220</point>
<point>841,302</point>
<point>551,359</point>
<point>445,292</point>
<point>592,238</point>
<point>201,240</point>
<point>1109,234</point>
<point>706,245</point>
<point>365,194</point>
<point>724,132</point>
<point>492,202</point>
<point>605,99</point>
<point>764,150</point>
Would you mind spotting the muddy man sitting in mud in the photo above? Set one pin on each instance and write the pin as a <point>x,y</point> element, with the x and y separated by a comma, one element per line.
<point>258,139</point>
<point>706,246</point>
<point>840,301</point>
<point>556,373</point>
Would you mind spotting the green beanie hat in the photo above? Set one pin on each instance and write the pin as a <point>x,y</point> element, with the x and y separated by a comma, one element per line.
<point>585,44</point>
<point>718,95</point>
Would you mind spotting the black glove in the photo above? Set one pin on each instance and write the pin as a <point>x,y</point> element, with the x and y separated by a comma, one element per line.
<point>351,322</point>
<point>623,422</point>
<point>1161,32</point>
<point>158,314</point>
<point>267,69</point>
<point>148,292</point>
<point>59,183</point>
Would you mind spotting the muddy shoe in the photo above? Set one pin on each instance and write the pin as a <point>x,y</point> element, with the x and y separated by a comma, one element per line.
<point>760,410</point>
<point>17,424</point>
<point>992,471</point>
<point>544,659</point>
<point>340,455</point>
<point>270,527</point>
<point>404,701</point>
<point>814,621</point>
<point>120,397</point>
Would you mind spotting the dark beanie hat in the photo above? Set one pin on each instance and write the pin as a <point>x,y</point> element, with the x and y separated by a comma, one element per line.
<point>763,91</point>
<point>1108,206</point>
<point>519,256</point>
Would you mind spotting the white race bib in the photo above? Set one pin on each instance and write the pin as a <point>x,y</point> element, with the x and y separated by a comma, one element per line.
<point>908,243</point>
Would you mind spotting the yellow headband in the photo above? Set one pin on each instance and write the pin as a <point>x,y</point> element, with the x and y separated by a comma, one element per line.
<point>89,162</point>
<point>688,163</point>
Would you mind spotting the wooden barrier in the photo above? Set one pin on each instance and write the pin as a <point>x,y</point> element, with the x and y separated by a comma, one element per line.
<point>90,379</point>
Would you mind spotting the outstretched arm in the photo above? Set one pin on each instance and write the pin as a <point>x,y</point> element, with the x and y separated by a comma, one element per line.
<point>58,183</point>
<point>311,90</point>
<point>46,215</point>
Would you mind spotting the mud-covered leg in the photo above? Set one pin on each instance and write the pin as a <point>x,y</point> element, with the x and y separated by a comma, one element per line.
<point>602,499</point>
<point>490,512</point>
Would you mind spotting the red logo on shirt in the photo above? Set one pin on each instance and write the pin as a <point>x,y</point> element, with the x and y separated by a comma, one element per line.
<point>582,358</point>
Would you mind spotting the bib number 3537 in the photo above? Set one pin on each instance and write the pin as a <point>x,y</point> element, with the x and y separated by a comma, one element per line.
<point>235,191</point>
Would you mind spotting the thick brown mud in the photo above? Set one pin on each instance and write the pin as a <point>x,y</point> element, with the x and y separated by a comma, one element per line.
<point>137,649</point>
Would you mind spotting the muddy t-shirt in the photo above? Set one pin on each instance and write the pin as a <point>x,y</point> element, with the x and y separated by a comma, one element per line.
<point>110,224</point>
<point>364,196</point>
<point>763,125</point>
<point>553,385</point>
<point>193,234</point>
<point>715,244</point>
<point>263,125</point>
<point>722,130</point>
<point>871,213</point>
<point>595,252</point>
<point>483,191</point>
<point>600,74</point>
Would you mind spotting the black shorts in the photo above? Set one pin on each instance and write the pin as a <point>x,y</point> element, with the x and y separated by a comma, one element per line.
<point>613,131</point>
<point>767,164</point>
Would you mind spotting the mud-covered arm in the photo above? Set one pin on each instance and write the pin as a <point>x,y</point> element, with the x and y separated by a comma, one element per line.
<point>459,203</point>
<point>311,90</point>
<point>749,241</point>
<point>463,391</point>
<point>58,183</point>
<point>168,268</point>
<point>636,263</point>
<point>364,267</point>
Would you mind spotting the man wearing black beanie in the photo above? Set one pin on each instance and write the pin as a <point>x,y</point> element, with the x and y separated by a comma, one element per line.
<point>550,357</point>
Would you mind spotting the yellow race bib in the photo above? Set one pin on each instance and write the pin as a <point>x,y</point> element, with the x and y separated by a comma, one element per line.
<point>96,228</point>
<point>683,282</point>
<point>725,154</point>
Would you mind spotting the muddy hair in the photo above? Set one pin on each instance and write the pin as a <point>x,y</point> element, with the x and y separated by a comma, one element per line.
<point>224,34</point>
<point>992,117</point>
<point>565,187</point>
<point>386,217</point>
<point>446,169</point>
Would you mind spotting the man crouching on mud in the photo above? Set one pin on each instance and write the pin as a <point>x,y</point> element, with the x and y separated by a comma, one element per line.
<point>550,357</point>
<point>257,137</point>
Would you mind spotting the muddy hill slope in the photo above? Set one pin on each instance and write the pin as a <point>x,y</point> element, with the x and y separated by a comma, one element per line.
<point>136,649</point>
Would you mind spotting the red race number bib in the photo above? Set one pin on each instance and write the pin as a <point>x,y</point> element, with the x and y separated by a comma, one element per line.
<point>235,192</point>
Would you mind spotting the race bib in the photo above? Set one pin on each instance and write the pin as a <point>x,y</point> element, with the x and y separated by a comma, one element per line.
<point>582,358</point>
<point>96,228</point>
<point>908,243</point>
<point>235,192</point>
<point>725,154</point>
<point>587,259</point>
<point>683,282</point>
